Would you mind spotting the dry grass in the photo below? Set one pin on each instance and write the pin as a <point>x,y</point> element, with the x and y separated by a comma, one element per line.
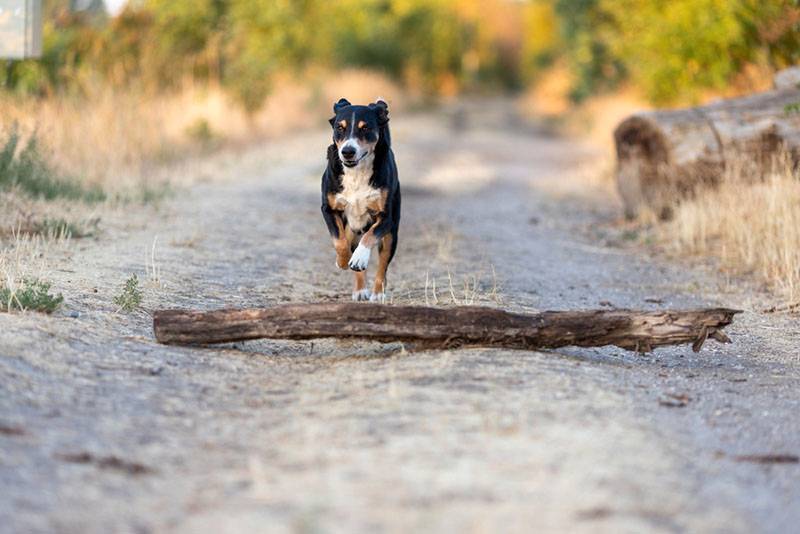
<point>461,290</point>
<point>750,227</point>
<point>117,139</point>
<point>21,258</point>
<point>51,219</point>
<point>23,273</point>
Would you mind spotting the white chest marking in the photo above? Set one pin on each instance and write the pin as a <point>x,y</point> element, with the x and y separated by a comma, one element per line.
<point>357,194</point>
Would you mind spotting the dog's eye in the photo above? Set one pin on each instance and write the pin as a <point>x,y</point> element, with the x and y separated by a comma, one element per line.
<point>340,128</point>
<point>364,128</point>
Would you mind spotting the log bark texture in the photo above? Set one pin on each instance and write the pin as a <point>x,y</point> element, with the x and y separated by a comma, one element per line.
<point>446,327</point>
<point>665,155</point>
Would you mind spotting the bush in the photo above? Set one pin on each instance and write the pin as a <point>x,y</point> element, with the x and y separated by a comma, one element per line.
<point>673,49</point>
<point>25,169</point>
<point>32,295</point>
<point>59,227</point>
<point>131,296</point>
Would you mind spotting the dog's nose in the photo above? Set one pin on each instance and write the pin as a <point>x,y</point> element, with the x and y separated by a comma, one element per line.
<point>348,152</point>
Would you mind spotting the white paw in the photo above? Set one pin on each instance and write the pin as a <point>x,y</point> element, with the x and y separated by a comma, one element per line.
<point>360,258</point>
<point>380,298</point>
<point>362,295</point>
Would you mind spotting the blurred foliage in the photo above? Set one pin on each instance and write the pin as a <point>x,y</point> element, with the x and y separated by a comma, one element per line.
<point>671,49</point>
<point>440,46</point>
<point>24,168</point>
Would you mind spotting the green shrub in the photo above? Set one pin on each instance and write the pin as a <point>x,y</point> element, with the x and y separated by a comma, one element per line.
<point>26,170</point>
<point>131,296</point>
<point>33,295</point>
<point>672,49</point>
<point>200,132</point>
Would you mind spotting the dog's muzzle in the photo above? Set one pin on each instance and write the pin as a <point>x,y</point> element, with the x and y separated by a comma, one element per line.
<point>351,162</point>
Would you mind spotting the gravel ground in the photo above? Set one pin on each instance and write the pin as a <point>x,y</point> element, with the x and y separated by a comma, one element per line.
<point>102,430</point>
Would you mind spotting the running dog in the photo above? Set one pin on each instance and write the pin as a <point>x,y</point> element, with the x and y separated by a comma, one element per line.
<point>361,193</point>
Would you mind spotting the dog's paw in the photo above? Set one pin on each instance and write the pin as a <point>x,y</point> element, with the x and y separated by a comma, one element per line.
<point>362,295</point>
<point>380,298</point>
<point>360,258</point>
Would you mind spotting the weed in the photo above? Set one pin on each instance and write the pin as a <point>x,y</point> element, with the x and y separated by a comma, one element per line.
<point>790,109</point>
<point>153,269</point>
<point>32,295</point>
<point>24,168</point>
<point>200,132</point>
<point>154,194</point>
<point>58,227</point>
<point>131,296</point>
<point>760,235</point>
<point>474,290</point>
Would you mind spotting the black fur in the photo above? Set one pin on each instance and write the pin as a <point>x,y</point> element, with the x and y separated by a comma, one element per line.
<point>384,168</point>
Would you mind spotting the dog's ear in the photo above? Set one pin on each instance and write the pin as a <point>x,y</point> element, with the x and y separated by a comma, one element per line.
<point>382,110</point>
<point>342,103</point>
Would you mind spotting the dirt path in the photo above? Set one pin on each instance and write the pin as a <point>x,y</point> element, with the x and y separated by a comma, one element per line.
<point>102,430</point>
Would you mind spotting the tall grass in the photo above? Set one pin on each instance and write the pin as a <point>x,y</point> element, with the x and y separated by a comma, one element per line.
<point>23,268</point>
<point>119,139</point>
<point>24,168</point>
<point>750,226</point>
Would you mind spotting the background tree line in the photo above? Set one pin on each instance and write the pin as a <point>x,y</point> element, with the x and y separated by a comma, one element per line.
<point>671,50</point>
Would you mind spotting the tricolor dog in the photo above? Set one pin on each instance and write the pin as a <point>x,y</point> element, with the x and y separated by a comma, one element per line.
<point>361,193</point>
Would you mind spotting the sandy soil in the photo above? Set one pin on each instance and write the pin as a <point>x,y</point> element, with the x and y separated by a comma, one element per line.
<point>102,430</point>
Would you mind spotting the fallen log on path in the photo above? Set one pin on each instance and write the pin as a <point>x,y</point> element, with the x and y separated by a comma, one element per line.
<point>427,327</point>
<point>663,156</point>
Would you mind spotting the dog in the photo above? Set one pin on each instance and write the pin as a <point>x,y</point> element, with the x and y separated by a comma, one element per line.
<point>361,193</point>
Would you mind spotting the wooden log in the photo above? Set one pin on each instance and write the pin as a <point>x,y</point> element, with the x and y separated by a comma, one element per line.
<point>666,155</point>
<point>446,327</point>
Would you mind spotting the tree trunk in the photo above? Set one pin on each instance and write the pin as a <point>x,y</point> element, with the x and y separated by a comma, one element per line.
<point>665,155</point>
<point>446,327</point>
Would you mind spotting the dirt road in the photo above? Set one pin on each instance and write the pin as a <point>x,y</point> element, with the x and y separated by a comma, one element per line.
<point>102,430</point>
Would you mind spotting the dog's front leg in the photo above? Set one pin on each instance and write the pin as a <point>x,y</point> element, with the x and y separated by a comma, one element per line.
<point>331,213</point>
<point>360,259</point>
<point>342,246</point>
<point>360,291</point>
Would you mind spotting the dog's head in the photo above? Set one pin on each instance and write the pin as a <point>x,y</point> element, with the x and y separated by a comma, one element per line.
<point>357,129</point>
